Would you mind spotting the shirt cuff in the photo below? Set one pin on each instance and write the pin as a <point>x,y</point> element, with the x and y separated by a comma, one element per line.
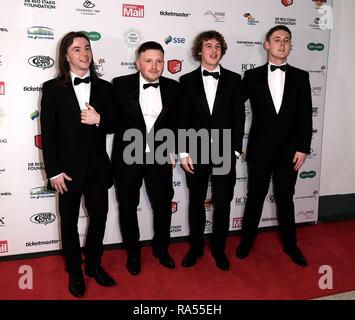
<point>58,175</point>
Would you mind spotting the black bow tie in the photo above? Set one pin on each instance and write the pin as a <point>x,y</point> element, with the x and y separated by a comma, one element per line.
<point>213,74</point>
<point>273,67</point>
<point>147,85</point>
<point>79,80</point>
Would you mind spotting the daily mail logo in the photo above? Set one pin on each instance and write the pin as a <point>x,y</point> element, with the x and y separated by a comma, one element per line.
<point>133,10</point>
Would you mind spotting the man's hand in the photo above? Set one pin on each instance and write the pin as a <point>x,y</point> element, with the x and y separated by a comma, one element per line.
<point>299,160</point>
<point>90,116</point>
<point>59,183</point>
<point>187,164</point>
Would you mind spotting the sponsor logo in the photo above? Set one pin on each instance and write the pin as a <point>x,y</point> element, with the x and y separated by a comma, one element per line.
<point>174,66</point>
<point>41,243</point>
<point>314,196</point>
<point>177,184</point>
<point>4,246</point>
<point>43,62</point>
<point>132,38</point>
<point>92,35</point>
<point>89,11</point>
<point>287,3</point>
<point>43,218</point>
<point>177,40</point>
<point>100,65</point>
<point>175,228</point>
<point>4,29</point>
<point>250,19</point>
<point>41,33</point>
<point>2,87</point>
<point>316,91</point>
<point>208,204</point>
<point>307,174</point>
<point>240,201</point>
<point>270,198</point>
<point>34,115</point>
<point>174,206</point>
<point>269,219</point>
<point>285,21</point>
<point>30,88</point>
<point>315,111</point>
<point>38,141</point>
<point>2,221</point>
<point>306,214</point>
<point>41,192</point>
<point>2,170</point>
<point>34,166</point>
<point>247,43</point>
<point>237,223</point>
<point>3,140</point>
<point>174,14</point>
<point>315,46</point>
<point>43,4</point>
<point>218,16</point>
<point>247,66</point>
<point>319,3</point>
<point>133,10</point>
<point>130,65</point>
<point>5,194</point>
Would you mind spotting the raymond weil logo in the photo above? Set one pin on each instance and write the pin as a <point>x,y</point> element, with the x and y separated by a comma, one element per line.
<point>92,35</point>
<point>174,66</point>
<point>315,46</point>
<point>307,174</point>
<point>133,10</point>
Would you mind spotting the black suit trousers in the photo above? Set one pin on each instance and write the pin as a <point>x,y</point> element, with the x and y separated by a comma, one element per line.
<point>284,181</point>
<point>159,187</point>
<point>222,188</point>
<point>96,203</point>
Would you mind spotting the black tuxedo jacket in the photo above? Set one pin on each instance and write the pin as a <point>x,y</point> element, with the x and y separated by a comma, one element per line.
<point>228,109</point>
<point>129,115</point>
<point>288,131</point>
<point>69,146</point>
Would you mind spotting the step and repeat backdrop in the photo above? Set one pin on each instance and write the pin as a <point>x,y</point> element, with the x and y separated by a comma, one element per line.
<point>30,31</point>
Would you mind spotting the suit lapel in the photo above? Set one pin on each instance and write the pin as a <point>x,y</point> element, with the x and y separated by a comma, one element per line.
<point>164,92</point>
<point>133,92</point>
<point>200,90</point>
<point>266,89</point>
<point>219,93</point>
<point>70,97</point>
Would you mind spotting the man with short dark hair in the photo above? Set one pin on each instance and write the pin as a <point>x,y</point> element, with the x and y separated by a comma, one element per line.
<point>145,102</point>
<point>279,140</point>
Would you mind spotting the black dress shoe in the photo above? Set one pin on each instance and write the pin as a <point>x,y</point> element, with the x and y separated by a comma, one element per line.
<point>101,276</point>
<point>165,259</point>
<point>76,285</point>
<point>222,261</point>
<point>296,256</point>
<point>243,251</point>
<point>191,258</point>
<point>134,264</point>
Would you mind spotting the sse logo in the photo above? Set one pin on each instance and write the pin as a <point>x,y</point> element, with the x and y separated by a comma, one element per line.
<point>174,66</point>
<point>43,218</point>
<point>307,174</point>
<point>177,40</point>
<point>43,62</point>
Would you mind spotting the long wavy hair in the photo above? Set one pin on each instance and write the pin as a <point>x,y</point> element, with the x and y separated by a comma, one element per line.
<point>63,75</point>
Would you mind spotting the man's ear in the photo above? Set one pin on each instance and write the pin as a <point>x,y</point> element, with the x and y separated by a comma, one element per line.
<point>266,45</point>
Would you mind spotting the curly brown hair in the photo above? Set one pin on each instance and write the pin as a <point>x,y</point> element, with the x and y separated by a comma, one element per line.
<point>205,36</point>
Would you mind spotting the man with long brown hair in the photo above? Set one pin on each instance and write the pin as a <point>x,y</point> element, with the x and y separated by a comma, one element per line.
<point>74,107</point>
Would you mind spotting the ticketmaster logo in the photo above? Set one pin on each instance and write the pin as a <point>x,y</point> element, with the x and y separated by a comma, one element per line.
<point>315,46</point>
<point>307,174</point>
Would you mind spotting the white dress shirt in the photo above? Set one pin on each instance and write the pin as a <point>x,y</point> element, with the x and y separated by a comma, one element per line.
<point>276,81</point>
<point>150,103</point>
<point>210,85</point>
